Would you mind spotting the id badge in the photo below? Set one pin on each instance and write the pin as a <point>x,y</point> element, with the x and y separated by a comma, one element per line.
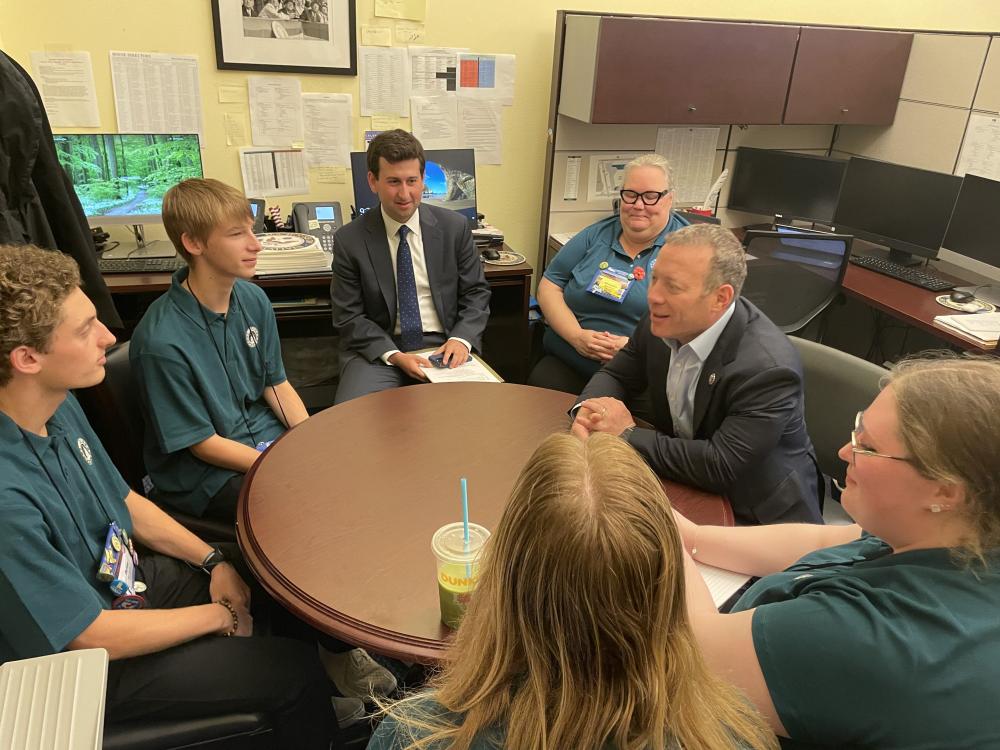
<point>118,564</point>
<point>263,445</point>
<point>610,283</point>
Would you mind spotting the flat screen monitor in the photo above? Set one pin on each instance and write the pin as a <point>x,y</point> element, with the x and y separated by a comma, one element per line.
<point>786,185</point>
<point>449,181</point>
<point>121,179</point>
<point>903,208</point>
<point>974,230</point>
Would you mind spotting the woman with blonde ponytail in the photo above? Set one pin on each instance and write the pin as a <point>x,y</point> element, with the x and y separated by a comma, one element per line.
<point>578,635</point>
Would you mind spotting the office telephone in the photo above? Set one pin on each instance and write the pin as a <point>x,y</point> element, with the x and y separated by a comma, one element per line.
<point>321,220</point>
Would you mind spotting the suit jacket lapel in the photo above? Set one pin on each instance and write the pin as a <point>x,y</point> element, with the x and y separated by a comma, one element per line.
<point>658,366</point>
<point>431,237</point>
<point>381,259</point>
<point>722,354</point>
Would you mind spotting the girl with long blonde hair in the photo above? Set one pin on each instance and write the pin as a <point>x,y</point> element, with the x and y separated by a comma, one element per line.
<point>578,636</point>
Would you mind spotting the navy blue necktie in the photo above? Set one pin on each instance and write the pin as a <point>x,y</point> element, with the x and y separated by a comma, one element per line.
<point>410,330</point>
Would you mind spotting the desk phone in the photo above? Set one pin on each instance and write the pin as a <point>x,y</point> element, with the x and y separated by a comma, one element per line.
<point>321,220</point>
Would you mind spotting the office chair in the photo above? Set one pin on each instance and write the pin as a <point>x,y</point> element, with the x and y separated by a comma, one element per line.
<point>793,276</point>
<point>837,386</point>
<point>115,412</point>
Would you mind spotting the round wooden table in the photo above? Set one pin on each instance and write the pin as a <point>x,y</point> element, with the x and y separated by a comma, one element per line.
<point>336,518</point>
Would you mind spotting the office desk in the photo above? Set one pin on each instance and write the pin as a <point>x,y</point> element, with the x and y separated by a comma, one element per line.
<point>336,518</point>
<point>505,343</point>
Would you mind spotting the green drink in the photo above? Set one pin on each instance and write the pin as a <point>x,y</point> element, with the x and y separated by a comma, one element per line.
<point>457,568</point>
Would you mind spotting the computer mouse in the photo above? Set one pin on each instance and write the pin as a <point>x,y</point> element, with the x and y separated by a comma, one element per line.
<point>491,253</point>
<point>959,297</point>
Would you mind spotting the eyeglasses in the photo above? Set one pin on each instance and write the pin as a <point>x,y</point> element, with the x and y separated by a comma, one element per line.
<point>650,197</point>
<point>855,443</point>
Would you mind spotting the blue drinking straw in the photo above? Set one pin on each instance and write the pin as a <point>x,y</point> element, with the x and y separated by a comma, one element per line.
<point>465,521</point>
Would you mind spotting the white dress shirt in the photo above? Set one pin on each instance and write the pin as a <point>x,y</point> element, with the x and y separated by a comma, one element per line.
<point>686,363</point>
<point>430,321</point>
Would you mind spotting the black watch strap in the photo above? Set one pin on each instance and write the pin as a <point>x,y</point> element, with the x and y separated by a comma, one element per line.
<point>212,559</point>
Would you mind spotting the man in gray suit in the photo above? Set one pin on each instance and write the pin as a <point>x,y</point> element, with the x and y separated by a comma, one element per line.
<point>405,277</point>
<point>725,385</point>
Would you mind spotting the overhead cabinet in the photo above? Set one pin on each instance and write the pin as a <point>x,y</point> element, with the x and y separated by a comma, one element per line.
<point>652,70</point>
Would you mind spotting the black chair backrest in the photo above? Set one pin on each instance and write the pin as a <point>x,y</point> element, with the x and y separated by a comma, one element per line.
<point>793,277</point>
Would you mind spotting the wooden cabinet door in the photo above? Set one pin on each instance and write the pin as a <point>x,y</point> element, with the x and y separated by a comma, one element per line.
<point>691,72</point>
<point>847,76</point>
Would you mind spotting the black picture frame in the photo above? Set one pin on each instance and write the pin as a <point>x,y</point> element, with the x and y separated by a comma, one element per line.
<point>247,40</point>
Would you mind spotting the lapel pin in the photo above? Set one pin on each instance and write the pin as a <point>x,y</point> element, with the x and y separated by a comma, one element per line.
<point>711,379</point>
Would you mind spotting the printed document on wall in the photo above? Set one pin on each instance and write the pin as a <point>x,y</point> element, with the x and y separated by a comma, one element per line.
<point>432,70</point>
<point>479,128</point>
<point>275,111</point>
<point>383,81</point>
<point>487,77</point>
<point>606,175</point>
<point>66,82</point>
<point>981,147</point>
<point>415,10</point>
<point>156,93</point>
<point>327,129</point>
<point>435,120</point>
<point>268,172</point>
<point>691,153</point>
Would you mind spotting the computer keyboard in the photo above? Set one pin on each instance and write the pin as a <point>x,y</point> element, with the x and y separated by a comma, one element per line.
<point>913,276</point>
<point>140,265</point>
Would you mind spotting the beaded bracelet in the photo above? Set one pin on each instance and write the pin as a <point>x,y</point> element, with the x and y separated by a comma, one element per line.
<point>232,611</point>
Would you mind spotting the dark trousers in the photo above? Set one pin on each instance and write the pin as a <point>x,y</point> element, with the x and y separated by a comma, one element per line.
<point>222,506</point>
<point>359,377</point>
<point>279,676</point>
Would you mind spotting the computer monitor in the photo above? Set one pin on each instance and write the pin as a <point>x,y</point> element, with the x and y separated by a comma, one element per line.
<point>903,208</point>
<point>449,181</point>
<point>974,230</point>
<point>121,178</point>
<point>786,185</point>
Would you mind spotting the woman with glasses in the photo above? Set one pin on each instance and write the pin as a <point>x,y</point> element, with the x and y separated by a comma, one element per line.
<point>886,633</point>
<point>577,636</point>
<point>594,291</point>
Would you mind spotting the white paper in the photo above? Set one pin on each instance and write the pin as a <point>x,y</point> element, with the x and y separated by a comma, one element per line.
<point>268,172</point>
<point>606,175</point>
<point>721,583</point>
<point>981,147</point>
<point>156,93</point>
<point>383,81</point>
<point>474,371</point>
<point>275,111</point>
<point>328,129</point>
<point>691,153</point>
<point>571,190</point>
<point>479,128</point>
<point>435,120</point>
<point>66,83</point>
<point>487,77</point>
<point>432,70</point>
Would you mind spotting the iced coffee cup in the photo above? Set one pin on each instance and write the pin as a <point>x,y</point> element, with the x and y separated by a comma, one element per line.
<point>457,567</point>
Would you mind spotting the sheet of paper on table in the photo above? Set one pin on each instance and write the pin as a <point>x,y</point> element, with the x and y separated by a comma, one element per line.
<point>473,371</point>
<point>721,583</point>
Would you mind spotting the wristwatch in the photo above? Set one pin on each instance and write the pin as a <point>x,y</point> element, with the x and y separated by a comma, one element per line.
<point>212,559</point>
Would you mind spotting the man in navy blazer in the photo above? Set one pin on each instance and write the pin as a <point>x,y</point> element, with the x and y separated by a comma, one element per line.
<point>406,277</point>
<point>725,385</point>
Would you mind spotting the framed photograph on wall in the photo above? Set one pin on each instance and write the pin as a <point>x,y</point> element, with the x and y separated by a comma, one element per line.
<point>286,36</point>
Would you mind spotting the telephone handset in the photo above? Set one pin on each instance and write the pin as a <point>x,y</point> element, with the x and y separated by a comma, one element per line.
<point>321,220</point>
<point>257,210</point>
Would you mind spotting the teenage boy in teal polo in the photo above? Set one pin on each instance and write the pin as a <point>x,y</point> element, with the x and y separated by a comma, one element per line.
<point>207,358</point>
<point>60,494</point>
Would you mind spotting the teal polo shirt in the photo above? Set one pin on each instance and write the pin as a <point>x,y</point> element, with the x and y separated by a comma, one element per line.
<point>57,496</point>
<point>861,647</point>
<point>575,265</point>
<point>197,381</point>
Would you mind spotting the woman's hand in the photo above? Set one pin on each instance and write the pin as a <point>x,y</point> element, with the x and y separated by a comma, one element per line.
<point>595,345</point>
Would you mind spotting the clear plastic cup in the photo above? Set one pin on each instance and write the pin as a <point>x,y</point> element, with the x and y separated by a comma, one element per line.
<point>457,567</point>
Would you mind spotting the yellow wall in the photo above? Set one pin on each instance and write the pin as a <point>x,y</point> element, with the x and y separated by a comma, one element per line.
<point>510,194</point>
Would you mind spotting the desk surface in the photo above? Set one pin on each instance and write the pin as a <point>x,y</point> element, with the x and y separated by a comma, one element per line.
<point>336,519</point>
